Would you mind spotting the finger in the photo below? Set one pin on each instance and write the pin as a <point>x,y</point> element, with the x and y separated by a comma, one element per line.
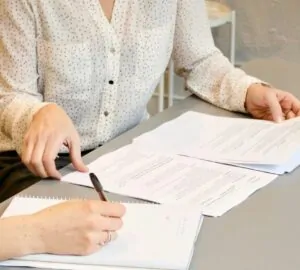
<point>110,224</point>
<point>37,157</point>
<point>109,209</point>
<point>90,244</point>
<point>27,148</point>
<point>274,106</point>
<point>105,209</point>
<point>51,151</point>
<point>75,154</point>
<point>290,115</point>
<point>295,105</point>
<point>289,103</point>
<point>268,117</point>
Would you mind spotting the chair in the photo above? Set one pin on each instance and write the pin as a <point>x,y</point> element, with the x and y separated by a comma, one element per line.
<point>220,14</point>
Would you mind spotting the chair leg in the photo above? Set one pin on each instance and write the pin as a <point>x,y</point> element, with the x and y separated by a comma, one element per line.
<point>232,37</point>
<point>161,93</point>
<point>171,83</point>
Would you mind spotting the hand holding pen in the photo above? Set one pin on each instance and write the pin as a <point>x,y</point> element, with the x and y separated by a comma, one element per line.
<point>99,189</point>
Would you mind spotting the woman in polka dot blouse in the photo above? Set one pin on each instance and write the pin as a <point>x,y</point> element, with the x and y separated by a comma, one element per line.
<point>75,74</point>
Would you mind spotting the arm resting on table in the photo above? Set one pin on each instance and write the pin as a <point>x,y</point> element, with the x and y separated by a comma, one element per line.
<point>208,73</point>
<point>18,237</point>
<point>19,96</point>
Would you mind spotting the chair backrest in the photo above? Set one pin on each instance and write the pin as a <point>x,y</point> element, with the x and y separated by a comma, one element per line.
<point>280,73</point>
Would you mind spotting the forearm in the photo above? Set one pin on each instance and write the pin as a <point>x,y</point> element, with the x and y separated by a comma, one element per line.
<point>208,73</point>
<point>19,236</point>
<point>16,113</point>
<point>19,93</point>
<point>218,82</point>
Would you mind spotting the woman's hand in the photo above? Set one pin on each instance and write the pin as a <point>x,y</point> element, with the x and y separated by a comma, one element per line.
<point>268,103</point>
<point>78,227</point>
<point>49,129</point>
<point>68,228</point>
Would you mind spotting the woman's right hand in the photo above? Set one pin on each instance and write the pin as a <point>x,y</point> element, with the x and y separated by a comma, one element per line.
<point>77,227</point>
<point>49,129</point>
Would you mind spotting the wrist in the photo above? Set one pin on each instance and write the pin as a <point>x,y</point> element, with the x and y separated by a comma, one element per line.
<point>33,240</point>
<point>35,230</point>
<point>248,93</point>
<point>20,237</point>
<point>253,88</point>
<point>42,106</point>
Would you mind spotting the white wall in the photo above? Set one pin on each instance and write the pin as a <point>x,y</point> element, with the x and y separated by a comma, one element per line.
<point>265,28</point>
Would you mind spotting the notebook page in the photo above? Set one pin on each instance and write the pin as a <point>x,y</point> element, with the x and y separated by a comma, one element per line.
<point>152,237</point>
<point>26,206</point>
<point>62,266</point>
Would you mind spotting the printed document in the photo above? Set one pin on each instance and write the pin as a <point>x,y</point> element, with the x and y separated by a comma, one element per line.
<point>172,179</point>
<point>256,144</point>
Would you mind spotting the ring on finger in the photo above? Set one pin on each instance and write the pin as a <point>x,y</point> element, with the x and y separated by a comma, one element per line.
<point>108,238</point>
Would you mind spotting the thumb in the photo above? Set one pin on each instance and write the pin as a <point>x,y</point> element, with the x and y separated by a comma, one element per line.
<point>274,106</point>
<point>75,154</point>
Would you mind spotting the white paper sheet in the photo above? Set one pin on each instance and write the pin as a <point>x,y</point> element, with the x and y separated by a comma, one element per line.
<point>214,187</point>
<point>63,266</point>
<point>273,147</point>
<point>136,246</point>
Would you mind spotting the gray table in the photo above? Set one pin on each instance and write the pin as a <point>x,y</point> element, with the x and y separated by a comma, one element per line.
<point>261,233</point>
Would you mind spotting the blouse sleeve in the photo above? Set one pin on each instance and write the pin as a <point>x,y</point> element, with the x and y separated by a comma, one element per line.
<point>207,72</point>
<point>19,96</point>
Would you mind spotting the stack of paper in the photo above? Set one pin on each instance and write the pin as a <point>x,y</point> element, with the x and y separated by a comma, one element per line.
<point>254,144</point>
<point>209,161</point>
<point>171,179</point>
<point>153,237</point>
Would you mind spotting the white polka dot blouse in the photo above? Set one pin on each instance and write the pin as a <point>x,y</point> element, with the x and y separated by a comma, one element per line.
<point>104,73</point>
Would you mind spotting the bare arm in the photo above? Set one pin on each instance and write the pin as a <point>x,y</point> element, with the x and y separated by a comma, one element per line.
<point>18,237</point>
<point>68,228</point>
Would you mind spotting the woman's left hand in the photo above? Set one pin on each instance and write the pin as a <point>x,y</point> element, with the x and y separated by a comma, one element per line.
<point>268,103</point>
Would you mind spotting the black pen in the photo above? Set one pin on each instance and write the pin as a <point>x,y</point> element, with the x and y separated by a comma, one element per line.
<point>98,187</point>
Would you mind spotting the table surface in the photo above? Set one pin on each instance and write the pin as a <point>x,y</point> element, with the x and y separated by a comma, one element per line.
<point>261,233</point>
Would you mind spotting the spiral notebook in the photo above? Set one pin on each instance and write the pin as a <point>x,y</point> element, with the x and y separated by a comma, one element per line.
<point>152,237</point>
